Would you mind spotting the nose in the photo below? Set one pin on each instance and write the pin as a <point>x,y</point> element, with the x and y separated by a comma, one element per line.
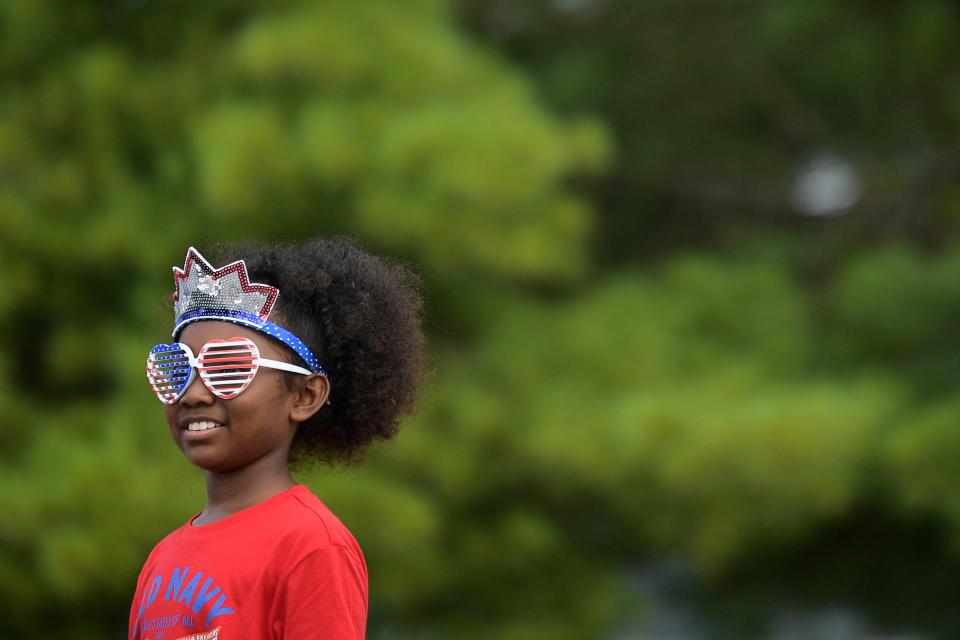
<point>196,394</point>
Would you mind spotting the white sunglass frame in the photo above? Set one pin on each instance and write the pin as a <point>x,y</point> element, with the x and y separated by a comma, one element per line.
<point>195,367</point>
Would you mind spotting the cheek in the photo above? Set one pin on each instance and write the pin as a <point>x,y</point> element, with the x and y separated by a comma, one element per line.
<point>170,416</point>
<point>266,395</point>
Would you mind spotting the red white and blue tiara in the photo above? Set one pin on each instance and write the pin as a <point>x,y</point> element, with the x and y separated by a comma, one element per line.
<point>205,293</point>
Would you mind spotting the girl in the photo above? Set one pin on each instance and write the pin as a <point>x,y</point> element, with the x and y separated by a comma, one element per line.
<point>311,354</point>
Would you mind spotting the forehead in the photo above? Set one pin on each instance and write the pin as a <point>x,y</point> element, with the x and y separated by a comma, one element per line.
<point>196,334</point>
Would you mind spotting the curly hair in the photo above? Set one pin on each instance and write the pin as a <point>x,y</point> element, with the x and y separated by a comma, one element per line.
<point>361,315</point>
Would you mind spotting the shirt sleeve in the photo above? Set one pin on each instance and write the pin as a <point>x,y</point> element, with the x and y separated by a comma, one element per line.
<point>324,596</point>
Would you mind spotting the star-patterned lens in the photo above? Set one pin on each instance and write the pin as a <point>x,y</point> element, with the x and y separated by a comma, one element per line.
<point>169,371</point>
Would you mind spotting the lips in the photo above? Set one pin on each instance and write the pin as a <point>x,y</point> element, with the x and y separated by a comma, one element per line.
<point>198,424</point>
<point>201,426</point>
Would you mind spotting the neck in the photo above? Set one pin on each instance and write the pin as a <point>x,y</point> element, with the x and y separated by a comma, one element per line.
<point>233,491</point>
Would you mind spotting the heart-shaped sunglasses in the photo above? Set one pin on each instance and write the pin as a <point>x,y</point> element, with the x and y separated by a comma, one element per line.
<point>226,367</point>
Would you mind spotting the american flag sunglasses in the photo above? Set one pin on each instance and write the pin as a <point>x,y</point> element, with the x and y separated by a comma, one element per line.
<point>226,367</point>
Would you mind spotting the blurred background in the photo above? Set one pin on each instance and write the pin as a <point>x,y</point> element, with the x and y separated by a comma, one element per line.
<point>693,278</point>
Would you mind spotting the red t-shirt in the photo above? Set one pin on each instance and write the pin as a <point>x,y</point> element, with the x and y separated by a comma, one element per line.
<point>284,568</point>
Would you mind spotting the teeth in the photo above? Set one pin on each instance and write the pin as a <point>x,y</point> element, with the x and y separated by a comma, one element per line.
<point>201,426</point>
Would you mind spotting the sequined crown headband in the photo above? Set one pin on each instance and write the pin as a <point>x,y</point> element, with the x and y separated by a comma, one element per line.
<point>205,293</point>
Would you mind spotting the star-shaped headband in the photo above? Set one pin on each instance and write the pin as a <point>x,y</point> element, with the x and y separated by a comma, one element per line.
<point>204,293</point>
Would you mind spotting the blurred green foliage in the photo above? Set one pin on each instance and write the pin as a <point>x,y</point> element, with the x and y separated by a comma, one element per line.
<point>640,348</point>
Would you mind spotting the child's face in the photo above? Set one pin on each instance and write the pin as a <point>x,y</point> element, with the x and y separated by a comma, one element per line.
<point>254,426</point>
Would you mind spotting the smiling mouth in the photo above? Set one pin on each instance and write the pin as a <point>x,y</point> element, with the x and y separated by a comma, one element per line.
<point>201,425</point>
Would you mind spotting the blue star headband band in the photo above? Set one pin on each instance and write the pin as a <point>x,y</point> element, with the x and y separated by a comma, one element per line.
<point>205,293</point>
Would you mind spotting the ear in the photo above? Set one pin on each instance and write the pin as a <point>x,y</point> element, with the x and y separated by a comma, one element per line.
<point>310,398</point>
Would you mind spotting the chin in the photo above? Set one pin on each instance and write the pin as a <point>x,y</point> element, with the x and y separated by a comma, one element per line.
<point>213,464</point>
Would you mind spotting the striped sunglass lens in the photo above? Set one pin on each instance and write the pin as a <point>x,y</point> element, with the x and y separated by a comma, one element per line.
<point>227,367</point>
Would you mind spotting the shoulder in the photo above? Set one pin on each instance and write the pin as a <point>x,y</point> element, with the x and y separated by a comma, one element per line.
<point>167,540</point>
<point>310,524</point>
<point>161,548</point>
